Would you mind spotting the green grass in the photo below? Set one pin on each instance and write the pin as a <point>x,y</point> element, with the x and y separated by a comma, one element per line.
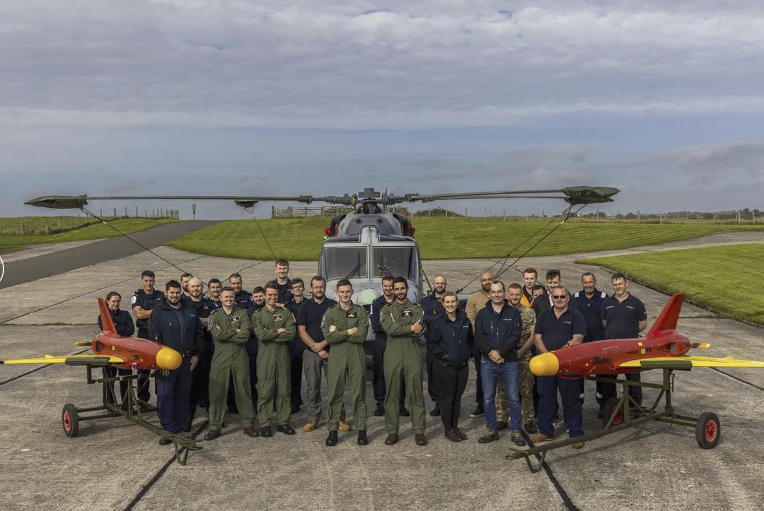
<point>86,232</point>
<point>8,250</point>
<point>725,279</point>
<point>439,238</point>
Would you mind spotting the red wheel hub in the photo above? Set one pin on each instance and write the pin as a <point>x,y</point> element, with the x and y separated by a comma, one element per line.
<point>67,421</point>
<point>711,431</point>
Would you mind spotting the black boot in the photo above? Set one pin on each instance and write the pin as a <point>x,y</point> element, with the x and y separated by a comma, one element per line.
<point>362,438</point>
<point>331,440</point>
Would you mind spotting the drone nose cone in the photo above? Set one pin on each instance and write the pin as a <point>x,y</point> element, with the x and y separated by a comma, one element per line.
<point>545,364</point>
<point>168,358</point>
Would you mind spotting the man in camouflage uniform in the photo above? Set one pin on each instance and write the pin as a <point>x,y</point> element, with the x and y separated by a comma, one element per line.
<point>273,326</point>
<point>345,327</point>
<point>524,356</point>
<point>528,317</point>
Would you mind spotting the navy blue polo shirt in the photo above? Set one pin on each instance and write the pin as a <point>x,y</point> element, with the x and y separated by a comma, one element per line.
<point>591,308</point>
<point>145,302</point>
<point>311,314</point>
<point>622,318</point>
<point>556,332</point>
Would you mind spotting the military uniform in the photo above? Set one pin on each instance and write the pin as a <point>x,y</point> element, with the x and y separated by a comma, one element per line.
<point>230,361</point>
<point>402,356</point>
<point>200,383</point>
<point>273,363</point>
<point>146,302</point>
<point>528,319</point>
<point>348,358</point>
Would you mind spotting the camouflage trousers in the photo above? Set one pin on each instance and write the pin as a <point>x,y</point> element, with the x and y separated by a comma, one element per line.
<point>526,392</point>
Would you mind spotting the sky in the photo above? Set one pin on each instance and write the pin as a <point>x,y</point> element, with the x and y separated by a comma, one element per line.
<point>663,100</point>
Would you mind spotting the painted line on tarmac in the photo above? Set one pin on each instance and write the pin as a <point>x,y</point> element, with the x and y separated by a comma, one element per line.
<point>569,505</point>
<point>160,472</point>
<point>738,379</point>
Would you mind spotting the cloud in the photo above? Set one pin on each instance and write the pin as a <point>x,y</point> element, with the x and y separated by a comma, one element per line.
<point>363,65</point>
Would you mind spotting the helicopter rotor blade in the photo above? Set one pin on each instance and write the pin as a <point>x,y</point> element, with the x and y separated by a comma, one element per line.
<point>79,201</point>
<point>573,195</point>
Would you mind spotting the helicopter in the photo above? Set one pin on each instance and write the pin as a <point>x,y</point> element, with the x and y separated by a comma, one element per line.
<point>369,242</point>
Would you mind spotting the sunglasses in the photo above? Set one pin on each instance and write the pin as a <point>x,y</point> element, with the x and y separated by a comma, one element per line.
<point>559,297</point>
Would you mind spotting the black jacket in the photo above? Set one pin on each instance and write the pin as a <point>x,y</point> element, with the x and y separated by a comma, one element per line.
<point>185,338</point>
<point>498,332</point>
<point>376,323</point>
<point>123,322</point>
<point>451,341</point>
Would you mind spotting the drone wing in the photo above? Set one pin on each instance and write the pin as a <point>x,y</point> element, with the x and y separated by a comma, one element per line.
<point>70,360</point>
<point>687,363</point>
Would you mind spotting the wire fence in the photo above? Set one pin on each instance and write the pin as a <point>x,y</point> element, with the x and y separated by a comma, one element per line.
<point>46,225</point>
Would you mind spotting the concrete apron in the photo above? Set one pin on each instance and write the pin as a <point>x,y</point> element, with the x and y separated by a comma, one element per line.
<point>110,463</point>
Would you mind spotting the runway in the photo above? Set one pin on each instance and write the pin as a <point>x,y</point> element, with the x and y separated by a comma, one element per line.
<point>20,270</point>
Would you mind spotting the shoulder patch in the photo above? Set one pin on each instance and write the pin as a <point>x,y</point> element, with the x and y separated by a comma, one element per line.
<point>133,300</point>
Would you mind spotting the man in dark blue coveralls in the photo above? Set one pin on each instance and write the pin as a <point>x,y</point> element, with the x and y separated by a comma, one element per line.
<point>175,324</point>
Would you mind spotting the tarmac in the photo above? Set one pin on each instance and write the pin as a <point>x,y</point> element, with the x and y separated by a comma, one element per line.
<point>116,465</point>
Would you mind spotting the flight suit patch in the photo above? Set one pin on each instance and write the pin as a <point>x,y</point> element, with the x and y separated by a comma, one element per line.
<point>278,317</point>
<point>351,314</point>
<point>406,314</point>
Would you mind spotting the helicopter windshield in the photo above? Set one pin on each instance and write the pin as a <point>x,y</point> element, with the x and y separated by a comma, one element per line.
<point>394,261</point>
<point>344,262</point>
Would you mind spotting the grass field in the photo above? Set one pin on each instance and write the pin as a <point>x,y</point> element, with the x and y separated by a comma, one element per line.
<point>88,232</point>
<point>725,279</point>
<point>439,238</point>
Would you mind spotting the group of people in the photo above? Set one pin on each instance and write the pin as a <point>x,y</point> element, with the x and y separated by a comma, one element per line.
<point>249,352</point>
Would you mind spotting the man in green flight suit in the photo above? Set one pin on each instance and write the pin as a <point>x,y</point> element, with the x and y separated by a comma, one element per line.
<point>273,326</point>
<point>402,322</point>
<point>345,327</point>
<point>230,327</point>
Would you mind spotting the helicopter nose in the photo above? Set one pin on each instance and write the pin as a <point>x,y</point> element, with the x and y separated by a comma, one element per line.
<point>168,358</point>
<point>545,364</point>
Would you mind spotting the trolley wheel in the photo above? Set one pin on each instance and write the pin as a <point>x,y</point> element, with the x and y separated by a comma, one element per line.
<point>70,420</point>
<point>708,430</point>
<point>607,410</point>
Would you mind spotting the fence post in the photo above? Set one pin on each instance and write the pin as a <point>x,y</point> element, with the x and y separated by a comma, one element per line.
<point>639,217</point>
<point>22,228</point>
<point>47,229</point>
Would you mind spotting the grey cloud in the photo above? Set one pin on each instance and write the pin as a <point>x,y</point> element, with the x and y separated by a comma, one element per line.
<point>359,65</point>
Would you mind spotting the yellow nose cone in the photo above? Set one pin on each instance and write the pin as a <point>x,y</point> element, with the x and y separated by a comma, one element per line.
<point>545,364</point>
<point>168,358</point>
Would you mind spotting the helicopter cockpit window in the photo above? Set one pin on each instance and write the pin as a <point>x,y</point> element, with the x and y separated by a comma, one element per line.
<point>394,261</point>
<point>344,262</point>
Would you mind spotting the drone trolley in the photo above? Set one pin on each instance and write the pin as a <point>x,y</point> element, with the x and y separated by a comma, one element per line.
<point>129,409</point>
<point>621,413</point>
